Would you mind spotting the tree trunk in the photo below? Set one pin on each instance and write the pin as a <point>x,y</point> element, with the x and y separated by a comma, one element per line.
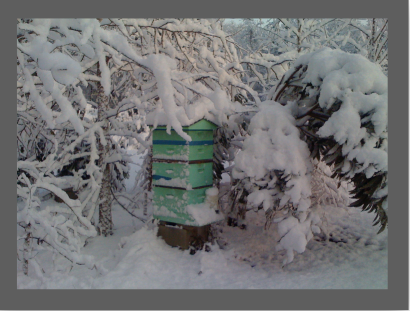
<point>27,249</point>
<point>299,36</point>
<point>105,198</point>
<point>372,42</point>
<point>145,209</point>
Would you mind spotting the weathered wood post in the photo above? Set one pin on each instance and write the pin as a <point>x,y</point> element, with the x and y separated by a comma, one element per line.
<point>182,180</point>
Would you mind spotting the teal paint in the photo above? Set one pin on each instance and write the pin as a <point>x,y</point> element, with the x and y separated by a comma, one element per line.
<point>184,152</point>
<point>182,143</point>
<point>170,204</point>
<point>181,183</point>
<point>196,135</point>
<point>184,174</point>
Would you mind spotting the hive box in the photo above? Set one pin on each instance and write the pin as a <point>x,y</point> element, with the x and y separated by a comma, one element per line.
<point>181,171</point>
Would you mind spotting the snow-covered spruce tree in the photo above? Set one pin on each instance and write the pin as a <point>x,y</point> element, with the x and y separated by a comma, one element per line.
<point>330,103</point>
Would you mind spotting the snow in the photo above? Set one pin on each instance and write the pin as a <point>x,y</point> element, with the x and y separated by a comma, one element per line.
<point>296,233</point>
<point>212,192</point>
<point>183,156</point>
<point>348,256</point>
<point>202,108</point>
<point>274,144</point>
<point>63,68</point>
<point>318,247</point>
<point>203,214</point>
<point>162,66</point>
<point>164,211</point>
<point>174,182</point>
<point>212,197</point>
<point>363,89</point>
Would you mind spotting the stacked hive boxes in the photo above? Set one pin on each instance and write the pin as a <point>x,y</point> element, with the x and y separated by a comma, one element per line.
<point>181,171</point>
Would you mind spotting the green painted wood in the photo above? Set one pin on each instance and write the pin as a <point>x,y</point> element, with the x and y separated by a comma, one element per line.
<point>175,174</point>
<point>200,174</point>
<point>182,174</point>
<point>198,135</point>
<point>163,135</point>
<point>181,152</point>
<point>170,204</point>
<point>187,153</point>
<point>204,152</point>
<point>203,125</point>
<point>173,152</point>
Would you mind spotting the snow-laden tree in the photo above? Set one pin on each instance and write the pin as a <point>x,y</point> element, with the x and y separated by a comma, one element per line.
<point>292,37</point>
<point>263,66</point>
<point>247,33</point>
<point>177,69</point>
<point>54,57</point>
<point>367,37</point>
<point>331,104</point>
<point>371,39</point>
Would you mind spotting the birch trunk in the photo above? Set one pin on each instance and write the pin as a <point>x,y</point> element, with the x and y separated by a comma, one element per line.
<point>105,198</point>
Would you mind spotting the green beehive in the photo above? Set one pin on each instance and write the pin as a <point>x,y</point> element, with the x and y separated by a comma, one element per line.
<point>181,171</point>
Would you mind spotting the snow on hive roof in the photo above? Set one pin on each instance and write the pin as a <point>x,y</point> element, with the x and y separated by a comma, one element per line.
<point>197,113</point>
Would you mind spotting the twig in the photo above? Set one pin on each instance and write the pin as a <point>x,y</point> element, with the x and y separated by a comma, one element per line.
<point>125,208</point>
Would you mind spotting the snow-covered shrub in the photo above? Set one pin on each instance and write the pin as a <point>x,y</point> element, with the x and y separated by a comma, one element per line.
<point>274,162</point>
<point>274,169</point>
<point>331,104</point>
<point>296,232</point>
<point>341,109</point>
<point>328,190</point>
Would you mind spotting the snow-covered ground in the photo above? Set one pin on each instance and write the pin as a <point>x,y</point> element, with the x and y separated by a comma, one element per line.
<point>350,256</point>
